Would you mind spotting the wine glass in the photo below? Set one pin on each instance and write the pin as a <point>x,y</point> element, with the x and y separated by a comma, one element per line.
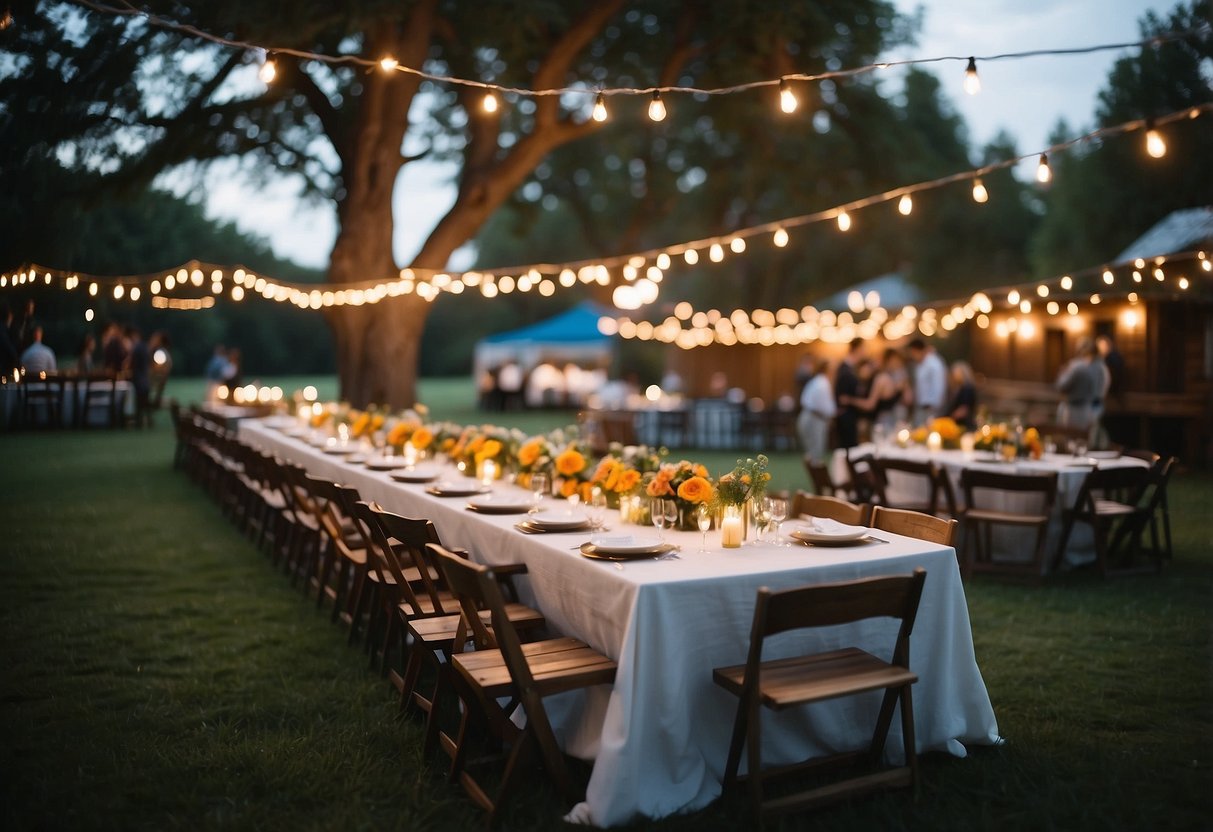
<point>703,518</point>
<point>777,507</point>
<point>762,519</point>
<point>596,510</point>
<point>671,514</point>
<point>657,515</point>
<point>539,485</point>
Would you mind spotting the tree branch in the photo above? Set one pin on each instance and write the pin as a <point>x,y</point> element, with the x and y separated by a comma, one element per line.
<point>319,103</point>
<point>555,65</point>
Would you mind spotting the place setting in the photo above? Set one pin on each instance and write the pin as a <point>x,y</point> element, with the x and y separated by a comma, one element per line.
<point>823,531</point>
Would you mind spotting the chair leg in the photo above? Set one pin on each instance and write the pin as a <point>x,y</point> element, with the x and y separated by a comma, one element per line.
<point>883,721</point>
<point>1060,554</point>
<point>735,745</point>
<point>754,759</point>
<point>907,734</point>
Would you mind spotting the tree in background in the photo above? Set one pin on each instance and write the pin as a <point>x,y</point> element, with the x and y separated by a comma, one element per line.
<point>130,101</point>
<point>1107,194</point>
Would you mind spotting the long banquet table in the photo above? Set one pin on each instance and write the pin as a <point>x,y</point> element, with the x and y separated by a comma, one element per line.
<point>659,736</point>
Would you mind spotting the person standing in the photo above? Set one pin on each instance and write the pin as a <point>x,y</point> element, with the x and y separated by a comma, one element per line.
<point>1117,428</point>
<point>139,364</point>
<point>884,394</point>
<point>930,381</point>
<point>38,358</point>
<point>962,407</point>
<point>817,408</point>
<point>1080,385</point>
<point>113,350</point>
<point>846,391</point>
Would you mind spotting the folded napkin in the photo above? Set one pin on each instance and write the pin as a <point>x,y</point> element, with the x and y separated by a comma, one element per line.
<point>824,525</point>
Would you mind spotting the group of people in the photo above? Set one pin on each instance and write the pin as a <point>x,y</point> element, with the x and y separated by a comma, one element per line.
<point>868,396</point>
<point>122,353</point>
<point>224,369</point>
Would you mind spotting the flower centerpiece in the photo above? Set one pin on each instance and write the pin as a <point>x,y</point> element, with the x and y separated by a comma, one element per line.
<point>622,471</point>
<point>1011,443</point>
<point>735,492</point>
<point>947,428</point>
<point>573,472</point>
<point>534,457</point>
<point>688,484</point>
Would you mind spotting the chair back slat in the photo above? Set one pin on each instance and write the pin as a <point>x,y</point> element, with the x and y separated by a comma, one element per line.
<point>973,481</point>
<point>374,519</point>
<point>914,524</point>
<point>827,605</point>
<point>476,590</point>
<point>835,508</point>
<point>415,534</point>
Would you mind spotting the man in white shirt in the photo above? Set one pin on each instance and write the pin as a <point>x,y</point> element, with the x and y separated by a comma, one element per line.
<point>38,358</point>
<point>930,381</point>
<point>817,408</point>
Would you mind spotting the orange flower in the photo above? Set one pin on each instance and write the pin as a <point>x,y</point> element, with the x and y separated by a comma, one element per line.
<point>695,490</point>
<point>586,490</point>
<point>360,424</point>
<point>627,480</point>
<point>421,439</point>
<point>570,463</point>
<point>376,422</point>
<point>489,449</point>
<point>568,488</point>
<point>529,452</point>
<point>701,471</point>
<point>397,434</point>
<point>475,445</point>
<point>659,486</point>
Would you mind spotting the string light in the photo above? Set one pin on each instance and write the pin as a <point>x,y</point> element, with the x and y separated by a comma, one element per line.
<point>269,68</point>
<point>1044,174</point>
<point>388,64</point>
<point>600,111</point>
<point>656,107</point>
<point>489,103</point>
<point>716,253</point>
<point>780,237</point>
<point>1108,277</point>
<point>980,195</point>
<point>905,205</point>
<point>972,82</point>
<point>1155,146</point>
<point>844,220</point>
<point>1067,282</point>
<point>787,98</point>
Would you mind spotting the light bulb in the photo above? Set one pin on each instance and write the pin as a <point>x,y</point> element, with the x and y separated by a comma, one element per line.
<point>1043,172</point>
<point>657,107</point>
<point>737,245</point>
<point>1013,297</point>
<point>600,110</point>
<point>388,64</point>
<point>490,102</point>
<point>844,220</point>
<point>972,82</point>
<point>269,68</point>
<point>780,238</point>
<point>787,98</point>
<point>691,256</point>
<point>1155,146</point>
<point>1067,282</point>
<point>980,195</point>
<point>716,253</point>
<point>1108,277</point>
<point>905,205</point>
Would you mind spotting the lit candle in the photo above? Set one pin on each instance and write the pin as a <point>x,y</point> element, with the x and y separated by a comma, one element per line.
<point>903,437</point>
<point>934,441</point>
<point>967,442</point>
<point>410,454</point>
<point>730,528</point>
<point>488,472</point>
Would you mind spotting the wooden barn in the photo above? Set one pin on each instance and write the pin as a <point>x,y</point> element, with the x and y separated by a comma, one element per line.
<point>1165,338</point>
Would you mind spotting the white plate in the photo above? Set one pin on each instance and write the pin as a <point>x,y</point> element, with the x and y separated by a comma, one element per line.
<point>295,432</point>
<point>384,463</point>
<point>558,519</point>
<point>500,502</point>
<point>456,488</point>
<point>629,545</point>
<point>829,531</point>
<point>421,473</point>
<point>340,450</point>
<point>279,422</point>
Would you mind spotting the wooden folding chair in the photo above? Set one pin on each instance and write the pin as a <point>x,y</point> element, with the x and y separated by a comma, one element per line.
<point>502,667</point>
<point>932,480</point>
<point>815,505</point>
<point>1154,504</point>
<point>44,399</point>
<point>981,518</point>
<point>1112,521</point>
<point>823,483</point>
<point>341,567</point>
<point>865,484</point>
<point>915,524</point>
<point>802,680</point>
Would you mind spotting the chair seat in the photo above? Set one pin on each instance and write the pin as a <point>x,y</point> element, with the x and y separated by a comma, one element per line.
<point>1112,508</point>
<point>1006,518</point>
<point>556,665</point>
<point>794,681</point>
<point>520,615</point>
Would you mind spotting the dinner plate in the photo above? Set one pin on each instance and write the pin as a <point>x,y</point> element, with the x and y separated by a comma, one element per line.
<point>500,504</point>
<point>557,520</point>
<point>295,432</point>
<point>279,422</point>
<point>385,463</point>
<point>637,550</point>
<point>527,527</point>
<point>1104,454</point>
<point>828,531</point>
<point>825,541</point>
<point>448,488</point>
<point>422,473</point>
<point>340,450</point>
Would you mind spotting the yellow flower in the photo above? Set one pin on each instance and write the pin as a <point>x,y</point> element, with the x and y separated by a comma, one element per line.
<point>701,471</point>
<point>627,480</point>
<point>376,422</point>
<point>489,449</point>
<point>360,424</point>
<point>397,434</point>
<point>529,452</point>
<point>568,488</point>
<point>570,463</point>
<point>475,445</point>
<point>421,439</point>
<point>586,490</point>
<point>695,490</point>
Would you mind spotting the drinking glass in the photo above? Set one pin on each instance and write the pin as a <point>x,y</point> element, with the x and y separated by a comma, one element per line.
<point>596,510</point>
<point>671,514</point>
<point>703,517</point>
<point>539,485</point>
<point>657,514</point>
<point>762,519</point>
<point>777,507</point>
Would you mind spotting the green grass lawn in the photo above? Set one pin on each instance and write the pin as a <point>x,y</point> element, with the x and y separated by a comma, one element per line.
<point>157,674</point>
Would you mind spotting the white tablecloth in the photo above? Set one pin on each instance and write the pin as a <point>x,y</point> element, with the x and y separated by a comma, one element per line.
<point>660,736</point>
<point>1009,544</point>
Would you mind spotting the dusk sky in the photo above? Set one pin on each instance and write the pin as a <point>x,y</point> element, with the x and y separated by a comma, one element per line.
<point>1026,97</point>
